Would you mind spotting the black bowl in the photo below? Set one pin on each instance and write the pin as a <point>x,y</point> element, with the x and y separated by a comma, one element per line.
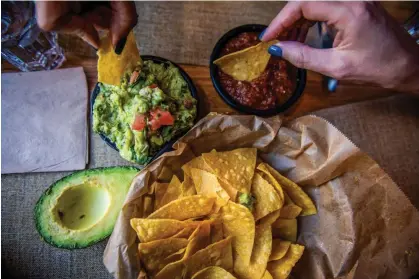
<point>194,92</point>
<point>298,76</point>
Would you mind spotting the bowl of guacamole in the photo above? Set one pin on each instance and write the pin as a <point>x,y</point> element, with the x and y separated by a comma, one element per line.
<point>142,118</point>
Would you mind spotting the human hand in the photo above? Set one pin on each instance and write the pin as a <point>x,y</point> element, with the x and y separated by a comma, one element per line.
<point>369,46</point>
<point>84,19</point>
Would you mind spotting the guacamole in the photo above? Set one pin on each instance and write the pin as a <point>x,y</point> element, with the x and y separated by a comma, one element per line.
<point>152,105</point>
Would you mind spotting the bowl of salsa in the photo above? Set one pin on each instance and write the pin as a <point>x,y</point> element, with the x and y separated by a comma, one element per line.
<point>274,91</point>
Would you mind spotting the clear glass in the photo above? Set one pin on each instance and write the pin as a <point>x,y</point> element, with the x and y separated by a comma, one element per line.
<point>23,43</point>
<point>412,26</point>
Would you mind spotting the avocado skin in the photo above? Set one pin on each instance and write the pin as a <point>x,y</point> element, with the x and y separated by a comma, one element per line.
<point>43,231</point>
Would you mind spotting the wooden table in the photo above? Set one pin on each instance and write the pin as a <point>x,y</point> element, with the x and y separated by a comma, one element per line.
<point>315,96</point>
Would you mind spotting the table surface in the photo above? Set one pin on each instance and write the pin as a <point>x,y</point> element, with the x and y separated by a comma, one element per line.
<point>315,97</point>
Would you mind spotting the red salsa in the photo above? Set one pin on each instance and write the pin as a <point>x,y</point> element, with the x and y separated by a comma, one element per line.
<point>271,88</point>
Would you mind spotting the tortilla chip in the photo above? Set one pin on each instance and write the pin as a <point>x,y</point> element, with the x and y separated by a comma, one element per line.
<point>260,254</point>
<point>246,64</point>
<point>281,268</point>
<point>217,233</point>
<point>165,174</point>
<point>153,229</point>
<point>196,163</point>
<point>217,254</point>
<point>185,233</point>
<point>239,223</point>
<point>207,185</point>
<point>159,191</point>
<point>213,272</point>
<point>152,253</point>
<point>148,205</point>
<point>173,192</point>
<point>290,211</point>
<point>267,275</point>
<point>177,256</point>
<point>279,249</point>
<point>235,167</point>
<point>199,239</point>
<point>188,188</point>
<point>264,172</point>
<point>269,219</point>
<point>285,229</point>
<point>111,67</point>
<point>185,208</point>
<point>297,195</point>
<point>267,199</point>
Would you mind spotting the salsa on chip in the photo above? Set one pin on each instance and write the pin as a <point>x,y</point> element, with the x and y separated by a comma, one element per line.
<point>199,230</point>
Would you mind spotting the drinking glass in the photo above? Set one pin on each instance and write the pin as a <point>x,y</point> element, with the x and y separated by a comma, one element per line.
<point>23,43</point>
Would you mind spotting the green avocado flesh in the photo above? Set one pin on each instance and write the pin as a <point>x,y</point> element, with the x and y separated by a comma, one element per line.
<point>81,209</point>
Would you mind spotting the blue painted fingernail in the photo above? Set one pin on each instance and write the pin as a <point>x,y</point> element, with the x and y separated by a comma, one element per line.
<point>261,34</point>
<point>332,85</point>
<point>275,50</point>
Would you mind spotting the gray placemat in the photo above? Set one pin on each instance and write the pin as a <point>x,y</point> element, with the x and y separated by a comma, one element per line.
<point>387,129</point>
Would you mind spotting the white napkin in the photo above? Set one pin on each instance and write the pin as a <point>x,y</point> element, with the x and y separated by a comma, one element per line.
<point>44,121</point>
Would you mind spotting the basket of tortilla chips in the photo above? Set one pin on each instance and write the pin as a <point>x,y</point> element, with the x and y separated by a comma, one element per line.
<point>245,197</point>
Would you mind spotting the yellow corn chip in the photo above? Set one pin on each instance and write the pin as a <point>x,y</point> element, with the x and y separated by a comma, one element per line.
<point>264,172</point>
<point>217,233</point>
<point>153,229</point>
<point>235,167</point>
<point>196,163</point>
<point>246,64</point>
<point>279,249</point>
<point>185,233</point>
<point>213,272</point>
<point>111,67</point>
<point>260,254</point>
<point>152,253</point>
<point>148,204</point>
<point>285,229</point>
<point>185,208</point>
<point>199,239</point>
<point>188,188</point>
<point>173,192</point>
<point>281,268</point>
<point>159,191</point>
<point>207,185</point>
<point>217,254</point>
<point>239,223</point>
<point>290,211</point>
<point>269,219</point>
<point>177,256</point>
<point>267,275</point>
<point>297,195</point>
<point>267,199</point>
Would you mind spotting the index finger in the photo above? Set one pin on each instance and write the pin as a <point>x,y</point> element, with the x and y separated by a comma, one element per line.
<point>294,11</point>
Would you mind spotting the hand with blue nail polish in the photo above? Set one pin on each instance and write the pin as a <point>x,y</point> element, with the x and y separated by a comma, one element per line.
<point>369,46</point>
<point>84,19</point>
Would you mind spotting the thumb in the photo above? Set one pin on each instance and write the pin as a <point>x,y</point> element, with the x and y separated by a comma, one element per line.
<point>303,56</point>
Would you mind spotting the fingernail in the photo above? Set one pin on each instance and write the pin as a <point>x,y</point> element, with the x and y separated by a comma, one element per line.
<point>261,34</point>
<point>332,85</point>
<point>275,50</point>
<point>120,46</point>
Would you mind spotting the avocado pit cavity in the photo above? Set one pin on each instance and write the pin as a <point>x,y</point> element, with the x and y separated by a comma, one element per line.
<point>82,206</point>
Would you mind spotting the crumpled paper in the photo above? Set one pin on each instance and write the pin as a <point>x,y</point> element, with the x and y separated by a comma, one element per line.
<point>365,227</point>
<point>44,121</point>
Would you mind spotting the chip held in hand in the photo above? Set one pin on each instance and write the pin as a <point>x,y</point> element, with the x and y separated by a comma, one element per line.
<point>246,64</point>
<point>111,66</point>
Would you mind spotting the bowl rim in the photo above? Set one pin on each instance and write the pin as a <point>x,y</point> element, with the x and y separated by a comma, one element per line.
<point>167,146</point>
<point>298,91</point>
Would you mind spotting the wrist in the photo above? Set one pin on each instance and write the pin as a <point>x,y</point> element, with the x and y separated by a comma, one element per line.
<point>407,79</point>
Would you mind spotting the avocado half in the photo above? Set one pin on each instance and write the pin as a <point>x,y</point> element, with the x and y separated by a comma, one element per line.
<point>81,209</point>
